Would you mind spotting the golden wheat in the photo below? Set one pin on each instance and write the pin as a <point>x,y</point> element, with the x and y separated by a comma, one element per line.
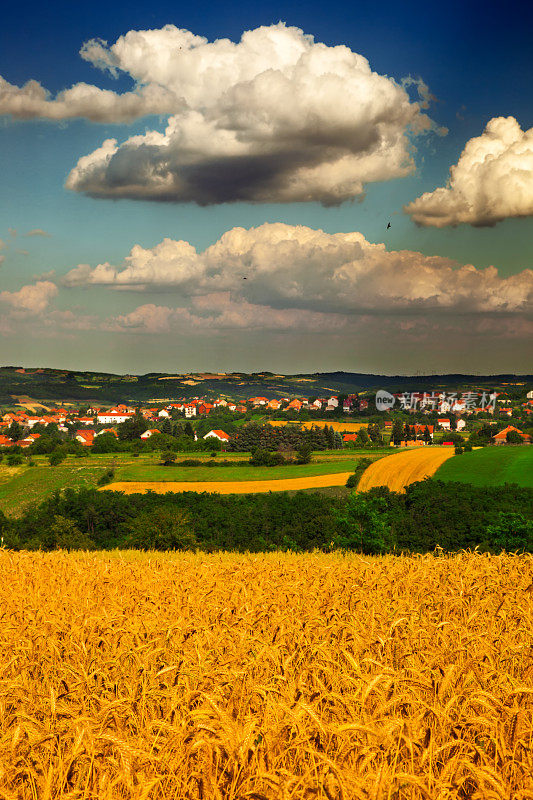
<point>230,487</point>
<point>403,468</point>
<point>161,676</point>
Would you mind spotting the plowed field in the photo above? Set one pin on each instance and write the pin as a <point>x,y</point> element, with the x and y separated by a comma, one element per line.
<point>230,487</point>
<point>399,470</point>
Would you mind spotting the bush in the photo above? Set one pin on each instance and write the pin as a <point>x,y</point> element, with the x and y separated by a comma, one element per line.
<point>168,458</point>
<point>14,460</point>
<point>106,477</point>
<point>458,451</point>
<point>164,528</point>
<point>56,457</point>
<point>360,467</point>
<point>264,458</point>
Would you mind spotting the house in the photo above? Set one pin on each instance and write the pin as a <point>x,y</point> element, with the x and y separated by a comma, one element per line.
<point>274,405</point>
<point>114,417</point>
<point>501,437</point>
<point>190,410</point>
<point>85,420</point>
<point>388,425</point>
<point>5,441</point>
<point>461,424</point>
<point>421,429</point>
<point>149,433</point>
<point>112,431</point>
<point>220,435</point>
<point>85,437</point>
<point>258,401</point>
<point>205,408</point>
<point>529,395</point>
<point>295,405</point>
<point>241,409</point>
<point>349,437</point>
<point>444,423</point>
<point>333,401</point>
<point>164,413</point>
<point>506,412</point>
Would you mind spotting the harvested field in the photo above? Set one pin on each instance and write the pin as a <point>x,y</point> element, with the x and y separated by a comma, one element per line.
<point>224,677</point>
<point>399,470</point>
<point>351,427</point>
<point>230,487</point>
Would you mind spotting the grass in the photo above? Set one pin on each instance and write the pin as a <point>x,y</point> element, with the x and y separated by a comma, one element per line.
<point>246,473</point>
<point>21,486</point>
<point>162,676</point>
<point>491,466</point>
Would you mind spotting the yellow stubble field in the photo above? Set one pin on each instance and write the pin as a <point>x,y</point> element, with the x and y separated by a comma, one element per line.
<point>403,468</point>
<point>224,677</point>
<point>231,487</point>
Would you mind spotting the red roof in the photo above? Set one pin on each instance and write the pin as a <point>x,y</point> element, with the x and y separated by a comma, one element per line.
<point>221,435</point>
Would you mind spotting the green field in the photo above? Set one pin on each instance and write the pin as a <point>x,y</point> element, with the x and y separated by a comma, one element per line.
<point>490,466</point>
<point>142,472</point>
<point>21,486</point>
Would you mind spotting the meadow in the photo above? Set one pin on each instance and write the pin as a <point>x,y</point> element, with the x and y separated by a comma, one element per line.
<point>491,466</point>
<point>21,486</point>
<point>194,676</point>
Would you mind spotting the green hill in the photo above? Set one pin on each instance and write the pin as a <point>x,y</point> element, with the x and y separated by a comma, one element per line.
<point>490,466</point>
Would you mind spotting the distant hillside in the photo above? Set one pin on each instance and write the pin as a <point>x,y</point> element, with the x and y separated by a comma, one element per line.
<point>64,386</point>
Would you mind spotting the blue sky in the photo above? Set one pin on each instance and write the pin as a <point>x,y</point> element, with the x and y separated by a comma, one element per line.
<point>477,61</point>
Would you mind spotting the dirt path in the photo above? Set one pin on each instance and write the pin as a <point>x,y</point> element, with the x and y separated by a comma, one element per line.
<point>230,487</point>
<point>399,470</point>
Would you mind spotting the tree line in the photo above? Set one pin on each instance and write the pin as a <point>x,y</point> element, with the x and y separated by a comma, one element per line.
<point>430,514</point>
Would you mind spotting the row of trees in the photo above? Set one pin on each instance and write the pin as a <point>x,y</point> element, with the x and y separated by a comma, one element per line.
<point>254,436</point>
<point>429,514</point>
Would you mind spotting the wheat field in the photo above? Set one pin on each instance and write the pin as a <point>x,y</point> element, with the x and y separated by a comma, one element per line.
<point>199,676</point>
<point>403,468</point>
<point>231,487</point>
<point>351,427</point>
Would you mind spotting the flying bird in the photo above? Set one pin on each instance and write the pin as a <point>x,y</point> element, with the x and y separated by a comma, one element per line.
<point>388,226</point>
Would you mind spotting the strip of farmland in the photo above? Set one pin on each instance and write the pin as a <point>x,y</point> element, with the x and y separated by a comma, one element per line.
<point>401,469</point>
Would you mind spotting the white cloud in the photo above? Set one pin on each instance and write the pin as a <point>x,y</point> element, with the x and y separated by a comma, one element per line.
<point>296,267</point>
<point>219,312</point>
<point>37,232</point>
<point>276,117</point>
<point>32,298</point>
<point>492,181</point>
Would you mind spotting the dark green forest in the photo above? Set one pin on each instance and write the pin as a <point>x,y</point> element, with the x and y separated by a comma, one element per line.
<point>430,515</point>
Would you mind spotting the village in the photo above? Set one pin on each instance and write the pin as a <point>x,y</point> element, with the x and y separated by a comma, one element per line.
<point>433,414</point>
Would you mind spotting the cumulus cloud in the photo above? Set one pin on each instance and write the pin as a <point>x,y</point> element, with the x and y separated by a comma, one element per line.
<point>296,267</point>
<point>37,232</point>
<point>219,312</point>
<point>275,117</point>
<point>33,298</point>
<point>492,181</point>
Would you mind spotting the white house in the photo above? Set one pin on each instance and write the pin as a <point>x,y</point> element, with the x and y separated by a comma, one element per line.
<point>190,411</point>
<point>164,413</point>
<point>220,435</point>
<point>461,424</point>
<point>529,395</point>
<point>444,424</point>
<point>149,433</point>
<point>113,417</point>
